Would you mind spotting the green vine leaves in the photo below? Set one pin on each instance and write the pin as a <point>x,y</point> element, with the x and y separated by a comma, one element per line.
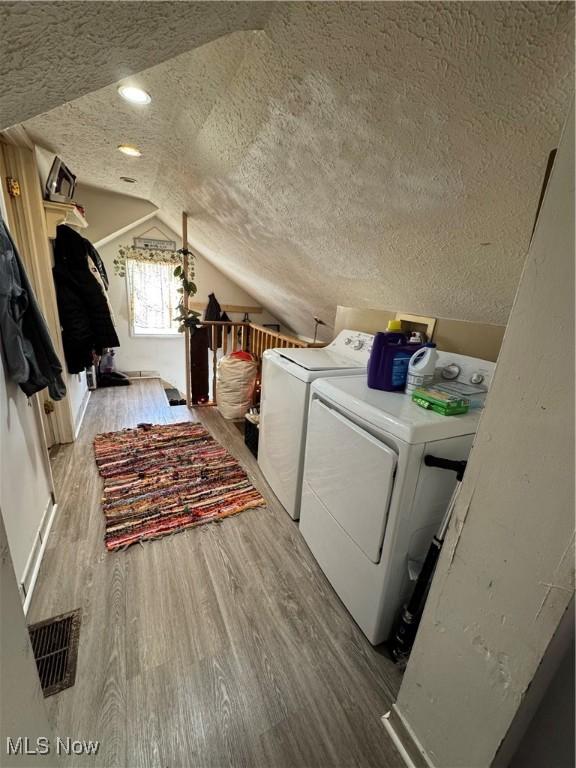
<point>126,252</point>
<point>186,317</point>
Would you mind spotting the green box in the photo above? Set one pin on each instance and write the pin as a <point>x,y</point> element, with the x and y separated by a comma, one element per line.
<point>440,402</point>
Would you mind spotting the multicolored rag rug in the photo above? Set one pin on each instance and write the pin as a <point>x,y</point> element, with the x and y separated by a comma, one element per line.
<point>159,479</point>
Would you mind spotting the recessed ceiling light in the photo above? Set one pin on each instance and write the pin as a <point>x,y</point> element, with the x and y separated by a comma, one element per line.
<point>128,179</point>
<point>134,95</point>
<point>130,150</point>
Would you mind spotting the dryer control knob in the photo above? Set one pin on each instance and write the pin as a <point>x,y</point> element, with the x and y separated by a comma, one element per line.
<point>451,371</point>
<point>476,378</point>
<point>358,344</point>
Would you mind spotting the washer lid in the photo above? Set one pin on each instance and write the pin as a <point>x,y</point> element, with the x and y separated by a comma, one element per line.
<point>322,359</point>
<point>350,350</point>
<point>393,412</point>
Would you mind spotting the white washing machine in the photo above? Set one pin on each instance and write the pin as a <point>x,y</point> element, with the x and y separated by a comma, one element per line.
<point>286,378</point>
<point>370,506</point>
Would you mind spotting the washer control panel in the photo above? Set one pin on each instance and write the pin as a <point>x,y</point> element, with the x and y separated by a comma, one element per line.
<point>464,370</point>
<point>350,343</point>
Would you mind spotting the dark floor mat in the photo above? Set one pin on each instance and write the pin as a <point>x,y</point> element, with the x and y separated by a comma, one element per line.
<point>55,646</point>
<point>173,396</point>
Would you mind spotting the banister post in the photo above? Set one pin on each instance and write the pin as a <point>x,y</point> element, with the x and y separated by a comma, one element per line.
<point>187,361</point>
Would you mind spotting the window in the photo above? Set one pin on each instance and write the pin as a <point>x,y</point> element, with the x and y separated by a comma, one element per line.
<point>153,297</point>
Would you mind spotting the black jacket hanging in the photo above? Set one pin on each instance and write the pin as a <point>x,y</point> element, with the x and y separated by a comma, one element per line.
<point>87,324</point>
<point>29,354</point>
<point>213,311</point>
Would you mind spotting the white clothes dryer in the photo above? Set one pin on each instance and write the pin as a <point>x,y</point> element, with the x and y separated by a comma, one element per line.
<point>370,506</point>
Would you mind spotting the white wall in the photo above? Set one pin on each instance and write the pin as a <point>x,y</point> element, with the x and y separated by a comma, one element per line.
<point>25,486</point>
<point>158,354</point>
<point>109,212</point>
<point>141,354</point>
<point>22,707</point>
<point>505,578</point>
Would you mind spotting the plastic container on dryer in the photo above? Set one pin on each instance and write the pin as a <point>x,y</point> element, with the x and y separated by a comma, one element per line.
<point>421,367</point>
<point>389,359</point>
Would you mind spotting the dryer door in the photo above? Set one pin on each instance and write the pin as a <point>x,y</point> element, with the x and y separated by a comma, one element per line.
<point>351,473</point>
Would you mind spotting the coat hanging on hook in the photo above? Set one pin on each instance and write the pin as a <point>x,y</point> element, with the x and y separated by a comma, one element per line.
<point>87,324</point>
<point>31,360</point>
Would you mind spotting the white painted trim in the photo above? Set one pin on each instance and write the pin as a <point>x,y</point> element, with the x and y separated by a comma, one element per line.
<point>171,336</point>
<point>27,223</point>
<point>81,413</point>
<point>396,740</point>
<point>405,740</point>
<point>34,563</point>
<point>123,230</point>
<point>17,135</point>
<point>35,548</point>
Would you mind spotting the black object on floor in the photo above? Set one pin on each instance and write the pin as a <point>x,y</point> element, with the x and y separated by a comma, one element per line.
<point>55,646</point>
<point>113,379</point>
<point>251,434</point>
<point>173,396</point>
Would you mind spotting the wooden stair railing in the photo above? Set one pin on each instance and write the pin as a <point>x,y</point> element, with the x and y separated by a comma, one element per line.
<point>247,337</point>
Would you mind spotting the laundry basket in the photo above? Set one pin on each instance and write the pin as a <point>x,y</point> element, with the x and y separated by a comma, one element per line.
<point>235,382</point>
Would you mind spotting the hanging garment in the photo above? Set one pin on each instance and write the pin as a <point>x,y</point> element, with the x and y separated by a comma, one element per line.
<point>30,357</point>
<point>225,329</point>
<point>87,324</point>
<point>97,274</point>
<point>213,311</point>
<point>98,263</point>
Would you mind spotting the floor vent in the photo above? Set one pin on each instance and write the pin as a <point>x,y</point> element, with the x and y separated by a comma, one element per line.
<point>55,646</point>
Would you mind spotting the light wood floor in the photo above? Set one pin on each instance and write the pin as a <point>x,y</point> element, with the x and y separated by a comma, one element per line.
<point>220,646</point>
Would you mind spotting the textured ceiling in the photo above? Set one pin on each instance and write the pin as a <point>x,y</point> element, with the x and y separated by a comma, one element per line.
<point>383,154</point>
<point>58,51</point>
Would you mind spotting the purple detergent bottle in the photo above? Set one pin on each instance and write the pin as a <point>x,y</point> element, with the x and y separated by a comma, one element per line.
<point>389,359</point>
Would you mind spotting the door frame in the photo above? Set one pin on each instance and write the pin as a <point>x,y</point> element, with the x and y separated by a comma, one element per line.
<point>27,223</point>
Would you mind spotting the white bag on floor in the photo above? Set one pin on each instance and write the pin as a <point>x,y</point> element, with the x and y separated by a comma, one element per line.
<point>235,386</point>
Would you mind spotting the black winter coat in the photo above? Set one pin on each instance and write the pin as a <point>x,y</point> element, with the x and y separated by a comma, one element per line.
<point>85,317</point>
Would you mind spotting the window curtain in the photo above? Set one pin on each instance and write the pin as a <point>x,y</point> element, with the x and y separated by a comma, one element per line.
<point>152,296</point>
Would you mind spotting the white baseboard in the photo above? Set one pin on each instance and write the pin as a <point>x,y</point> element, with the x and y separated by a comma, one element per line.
<point>28,580</point>
<point>142,374</point>
<point>397,742</point>
<point>405,741</point>
<point>81,412</point>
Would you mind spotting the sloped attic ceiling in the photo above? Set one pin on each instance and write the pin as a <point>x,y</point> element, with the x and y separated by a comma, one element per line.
<point>385,154</point>
<point>52,52</point>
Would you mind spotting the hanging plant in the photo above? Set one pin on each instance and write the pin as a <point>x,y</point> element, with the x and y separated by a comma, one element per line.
<point>126,252</point>
<point>186,317</point>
